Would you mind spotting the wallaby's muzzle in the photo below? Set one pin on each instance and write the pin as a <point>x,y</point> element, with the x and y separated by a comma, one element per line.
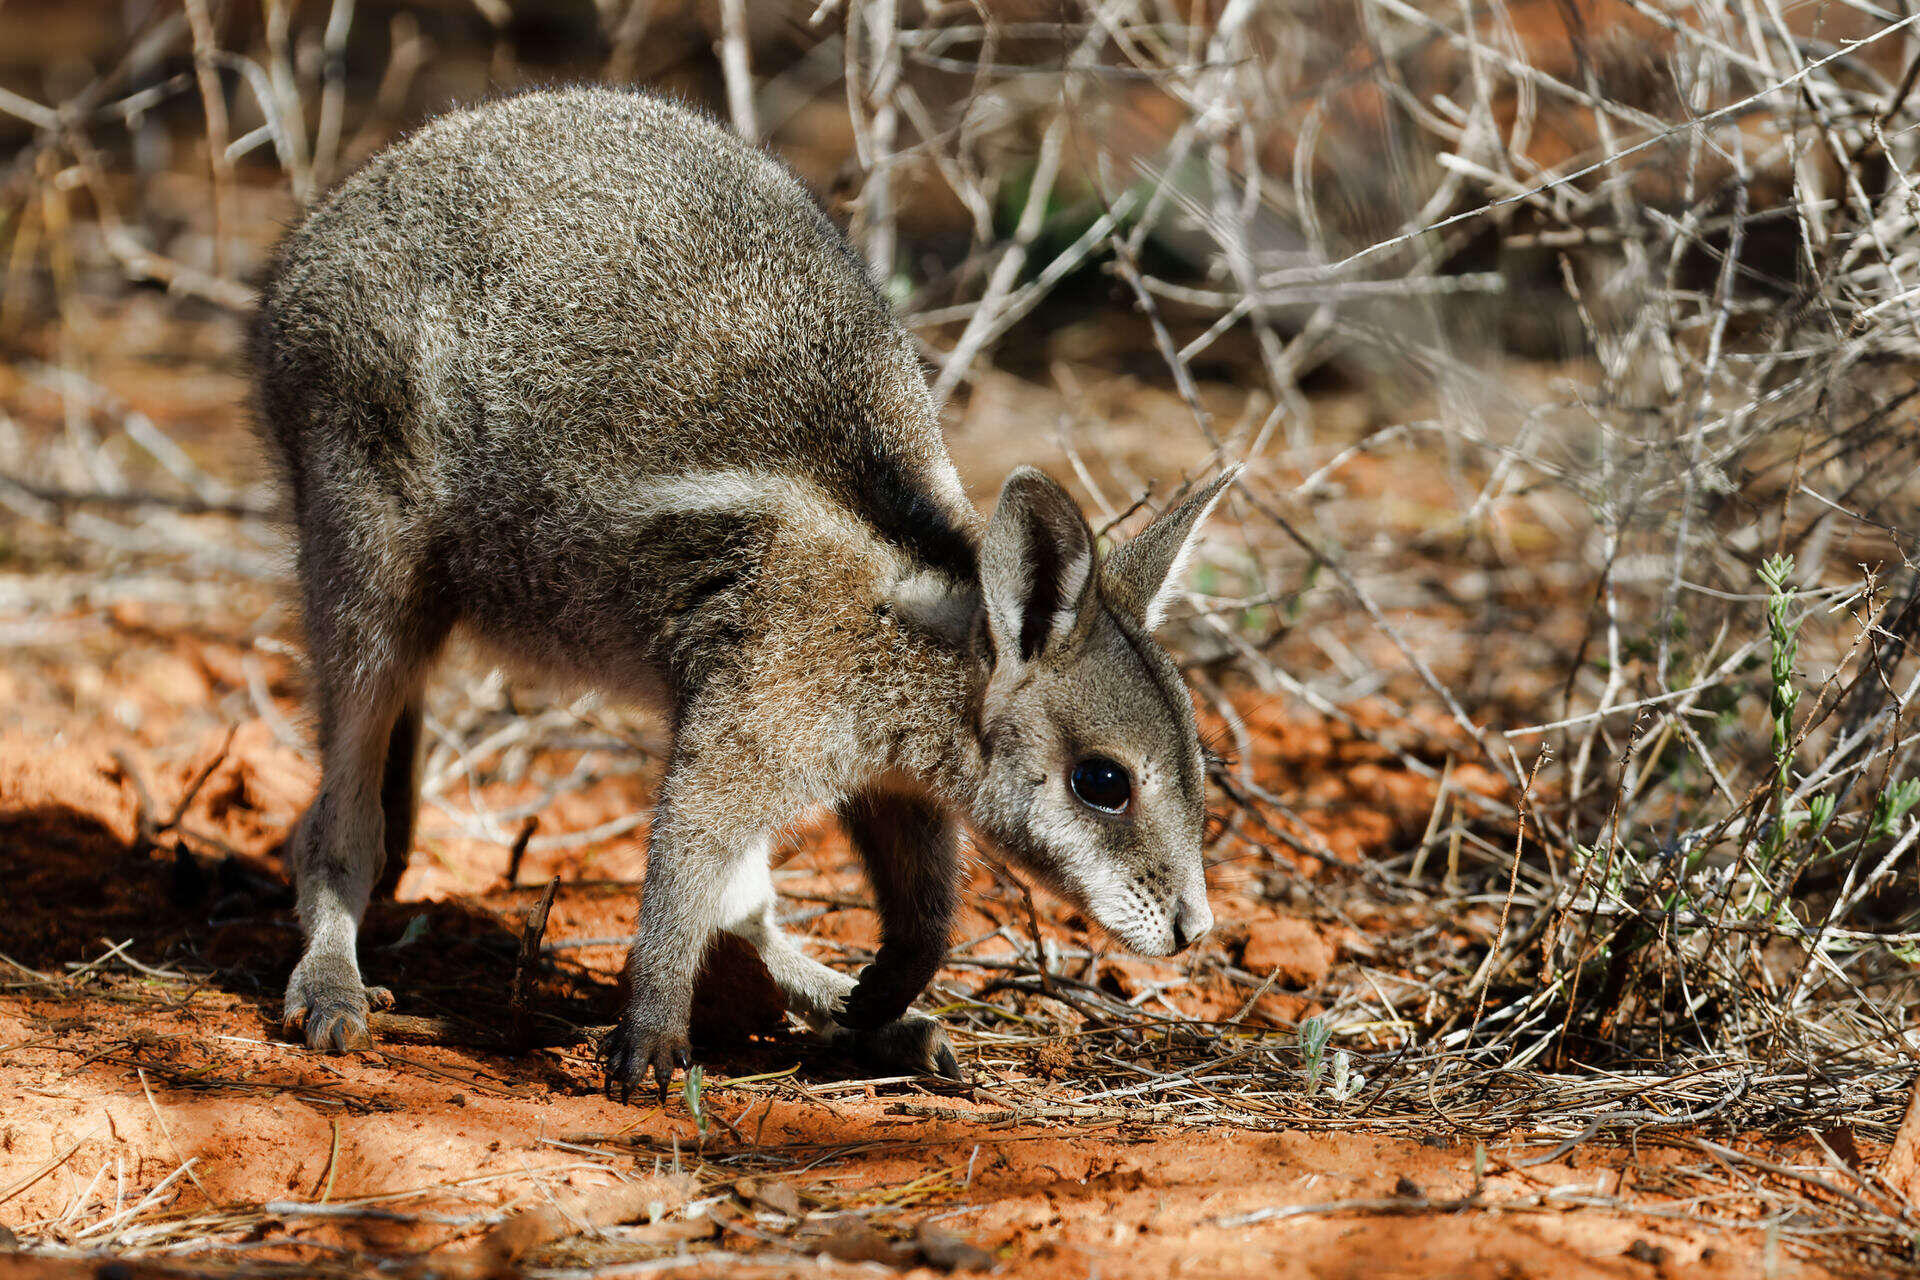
<point>1192,921</point>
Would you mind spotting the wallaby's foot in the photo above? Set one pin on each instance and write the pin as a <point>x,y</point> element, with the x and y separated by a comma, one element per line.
<point>631,1050</point>
<point>881,997</point>
<point>915,1043</point>
<point>326,1000</point>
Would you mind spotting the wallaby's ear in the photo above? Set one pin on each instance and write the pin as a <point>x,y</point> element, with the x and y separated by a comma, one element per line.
<point>1141,576</point>
<point>1036,563</point>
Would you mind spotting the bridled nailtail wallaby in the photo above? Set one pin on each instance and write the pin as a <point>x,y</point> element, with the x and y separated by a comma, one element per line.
<point>584,375</point>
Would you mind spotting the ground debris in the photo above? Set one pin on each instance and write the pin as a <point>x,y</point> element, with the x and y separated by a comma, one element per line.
<point>1901,1169</point>
<point>769,1194</point>
<point>949,1252</point>
<point>850,1238</point>
<point>1289,948</point>
<point>649,1200</point>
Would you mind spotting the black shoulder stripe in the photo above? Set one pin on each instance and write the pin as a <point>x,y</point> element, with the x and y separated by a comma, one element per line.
<point>907,516</point>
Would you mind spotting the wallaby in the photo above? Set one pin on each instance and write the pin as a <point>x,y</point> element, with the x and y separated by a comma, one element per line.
<point>585,375</point>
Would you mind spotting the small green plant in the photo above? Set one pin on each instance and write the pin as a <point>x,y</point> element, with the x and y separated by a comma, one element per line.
<point>1347,1082</point>
<point>1814,819</point>
<point>1891,806</point>
<point>1783,633</point>
<point>418,928</point>
<point>1820,811</point>
<point>1314,1034</point>
<point>695,1103</point>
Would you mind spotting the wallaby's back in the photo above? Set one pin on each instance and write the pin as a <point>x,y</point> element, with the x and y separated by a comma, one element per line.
<point>528,315</point>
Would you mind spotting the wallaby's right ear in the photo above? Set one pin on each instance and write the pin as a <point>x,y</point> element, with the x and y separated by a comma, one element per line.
<point>1141,576</point>
<point>1036,565</point>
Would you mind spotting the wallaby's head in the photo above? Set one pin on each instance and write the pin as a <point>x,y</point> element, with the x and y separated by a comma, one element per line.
<point>1093,776</point>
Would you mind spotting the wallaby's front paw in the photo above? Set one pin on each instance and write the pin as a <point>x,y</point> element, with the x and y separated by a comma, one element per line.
<point>915,1044</point>
<point>326,1001</point>
<point>879,998</point>
<point>630,1051</point>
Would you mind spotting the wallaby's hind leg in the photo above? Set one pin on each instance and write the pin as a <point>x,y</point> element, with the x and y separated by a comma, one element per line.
<point>337,850</point>
<point>368,644</point>
<point>400,796</point>
<point>913,1042</point>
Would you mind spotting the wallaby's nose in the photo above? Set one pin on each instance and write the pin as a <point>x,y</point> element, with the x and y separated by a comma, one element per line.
<point>1191,923</point>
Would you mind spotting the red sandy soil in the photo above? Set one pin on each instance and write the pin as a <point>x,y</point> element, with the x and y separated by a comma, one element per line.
<point>115,700</point>
<point>110,1080</point>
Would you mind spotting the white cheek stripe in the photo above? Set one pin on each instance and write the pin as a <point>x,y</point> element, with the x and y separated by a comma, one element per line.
<point>1140,923</point>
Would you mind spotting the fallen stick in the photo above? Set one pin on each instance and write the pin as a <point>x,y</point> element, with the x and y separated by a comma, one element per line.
<point>528,964</point>
<point>519,849</point>
<point>457,1033</point>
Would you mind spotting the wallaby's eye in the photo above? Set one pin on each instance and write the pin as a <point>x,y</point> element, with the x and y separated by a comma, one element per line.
<point>1102,784</point>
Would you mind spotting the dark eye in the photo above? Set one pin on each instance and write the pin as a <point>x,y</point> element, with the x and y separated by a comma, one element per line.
<point>1102,784</point>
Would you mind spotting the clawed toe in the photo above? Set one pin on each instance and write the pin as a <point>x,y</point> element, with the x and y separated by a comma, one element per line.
<point>330,1026</point>
<point>629,1053</point>
<point>342,1031</point>
<point>913,1044</point>
<point>328,1007</point>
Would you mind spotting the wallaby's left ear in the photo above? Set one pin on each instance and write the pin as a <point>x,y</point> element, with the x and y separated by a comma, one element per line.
<point>1142,575</point>
<point>1036,567</point>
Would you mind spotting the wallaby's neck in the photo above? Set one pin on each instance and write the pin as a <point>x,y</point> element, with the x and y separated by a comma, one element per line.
<point>937,743</point>
<point>963,763</point>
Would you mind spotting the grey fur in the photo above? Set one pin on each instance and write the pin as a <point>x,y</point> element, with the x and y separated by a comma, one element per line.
<point>583,374</point>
